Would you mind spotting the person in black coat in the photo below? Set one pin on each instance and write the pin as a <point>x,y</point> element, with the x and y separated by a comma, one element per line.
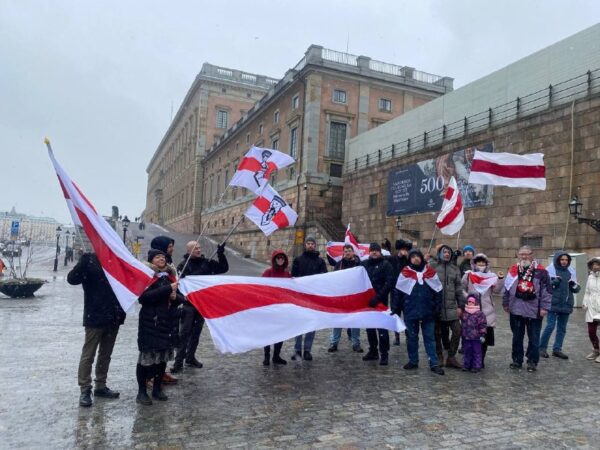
<point>399,261</point>
<point>102,317</point>
<point>381,274</point>
<point>191,322</point>
<point>157,329</point>
<point>308,263</point>
<point>165,244</point>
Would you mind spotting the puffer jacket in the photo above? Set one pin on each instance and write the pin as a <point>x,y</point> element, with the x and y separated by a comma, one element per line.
<point>159,316</point>
<point>308,263</point>
<point>563,287</point>
<point>591,299</point>
<point>423,303</point>
<point>487,300</point>
<point>347,263</point>
<point>454,298</point>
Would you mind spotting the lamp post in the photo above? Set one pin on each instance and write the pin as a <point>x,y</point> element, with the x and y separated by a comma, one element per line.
<point>67,234</point>
<point>58,230</point>
<point>414,233</point>
<point>575,207</point>
<point>125,224</point>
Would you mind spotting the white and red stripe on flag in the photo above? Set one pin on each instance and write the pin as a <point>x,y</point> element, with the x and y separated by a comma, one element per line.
<point>127,276</point>
<point>244,313</point>
<point>509,169</point>
<point>335,250</point>
<point>409,277</point>
<point>270,211</point>
<point>482,281</point>
<point>257,166</point>
<point>451,217</point>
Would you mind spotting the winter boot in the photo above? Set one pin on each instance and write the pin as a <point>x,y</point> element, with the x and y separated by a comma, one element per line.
<point>453,363</point>
<point>85,399</point>
<point>383,361</point>
<point>267,359</point>
<point>372,355</point>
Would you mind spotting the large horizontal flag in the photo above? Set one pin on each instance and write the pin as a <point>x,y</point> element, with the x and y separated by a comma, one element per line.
<point>127,276</point>
<point>482,281</point>
<point>244,313</point>
<point>451,217</point>
<point>270,211</point>
<point>509,169</point>
<point>257,166</point>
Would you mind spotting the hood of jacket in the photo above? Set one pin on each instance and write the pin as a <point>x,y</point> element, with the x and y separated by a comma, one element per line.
<point>274,255</point>
<point>420,267</point>
<point>480,257</point>
<point>162,243</point>
<point>557,265</point>
<point>591,261</point>
<point>439,254</point>
<point>169,269</point>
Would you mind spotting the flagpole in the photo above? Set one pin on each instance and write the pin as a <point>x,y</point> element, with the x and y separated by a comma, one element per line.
<point>228,236</point>
<point>457,239</point>
<point>432,238</point>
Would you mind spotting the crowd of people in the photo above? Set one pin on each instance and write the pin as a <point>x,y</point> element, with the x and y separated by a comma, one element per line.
<point>450,302</point>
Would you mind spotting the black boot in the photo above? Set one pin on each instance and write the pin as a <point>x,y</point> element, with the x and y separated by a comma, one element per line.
<point>383,361</point>
<point>276,352</point>
<point>157,393</point>
<point>267,359</point>
<point>141,375</point>
<point>372,355</point>
<point>85,399</point>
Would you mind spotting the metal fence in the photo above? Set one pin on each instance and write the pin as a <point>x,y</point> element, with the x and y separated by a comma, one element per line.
<point>554,95</point>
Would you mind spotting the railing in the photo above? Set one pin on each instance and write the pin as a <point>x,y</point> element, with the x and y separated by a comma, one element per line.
<point>554,95</point>
<point>339,57</point>
<point>383,67</point>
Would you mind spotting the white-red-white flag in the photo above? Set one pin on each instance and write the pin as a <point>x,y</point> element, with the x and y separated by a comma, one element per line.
<point>409,277</point>
<point>270,211</point>
<point>508,169</point>
<point>482,281</point>
<point>244,313</point>
<point>257,166</point>
<point>335,250</point>
<point>127,276</point>
<point>451,217</point>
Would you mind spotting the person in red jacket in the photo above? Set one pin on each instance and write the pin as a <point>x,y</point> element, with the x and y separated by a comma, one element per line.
<point>278,269</point>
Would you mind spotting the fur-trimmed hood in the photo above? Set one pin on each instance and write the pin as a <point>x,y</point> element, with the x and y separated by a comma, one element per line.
<point>169,269</point>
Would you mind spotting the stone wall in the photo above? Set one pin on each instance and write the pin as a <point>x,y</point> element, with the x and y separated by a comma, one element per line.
<point>516,213</point>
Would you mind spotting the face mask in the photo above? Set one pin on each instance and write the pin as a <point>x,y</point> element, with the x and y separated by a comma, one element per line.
<point>480,268</point>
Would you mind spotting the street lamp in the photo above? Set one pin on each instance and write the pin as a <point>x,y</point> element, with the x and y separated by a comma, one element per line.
<point>125,224</point>
<point>58,230</point>
<point>67,234</point>
<point>575,207</point>
<point>414,233</point>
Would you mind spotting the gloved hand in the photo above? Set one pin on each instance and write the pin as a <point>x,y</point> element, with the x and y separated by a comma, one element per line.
<point>482,339</point>
<point>221,249</point>
<point>556,282</point>
<point>373,302</point>
<point>457,253</point>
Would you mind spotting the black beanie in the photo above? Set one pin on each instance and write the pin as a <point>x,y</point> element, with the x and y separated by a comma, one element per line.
<point>152,253</point>
<point>374,246</point>
<point>402,244</point>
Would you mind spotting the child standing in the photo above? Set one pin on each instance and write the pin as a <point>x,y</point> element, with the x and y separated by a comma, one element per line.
<point>474,328</point>
<point>591,305</point>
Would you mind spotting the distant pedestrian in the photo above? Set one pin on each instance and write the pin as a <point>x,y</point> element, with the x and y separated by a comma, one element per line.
<point>564,285</point>
<point>308,263</point>
<point>278,269</point>
<point>474,328</point>
<point>527,298</point>
<point>591,305</point>
<point>102,317</point>
<point>157,329</point>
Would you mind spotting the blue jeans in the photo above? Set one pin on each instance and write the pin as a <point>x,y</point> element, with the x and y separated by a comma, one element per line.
<point>308,341</point>
<point>518,325</point>
<point>412,340</point>
<point>336,335</point>
<point>560,321</point>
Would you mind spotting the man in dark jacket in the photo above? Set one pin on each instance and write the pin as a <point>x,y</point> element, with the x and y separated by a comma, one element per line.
<point>191,322</point>
<point>452,306</point>
<point>308,263</point>
<point>102,316</point>
<point>399,262</point>
<point>381,274</point>
<point>348,261</point>
<point>564,285</point>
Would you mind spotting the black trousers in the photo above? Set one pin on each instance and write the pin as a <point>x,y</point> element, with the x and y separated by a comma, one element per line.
<point>190,327</point>
<point>378,337</point>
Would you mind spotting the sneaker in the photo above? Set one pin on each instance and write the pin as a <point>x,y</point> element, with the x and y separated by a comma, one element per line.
<point>279,360</point>
<point>531,367</point>
<point>143,399</point>
<point>514,365</point>
<point>332,348</point>
<point>168,379</point>
<point>177,368</point>
<point>160,396</point>
<point>297,355</point>
<point>194,363</point>
<point>544,354</point>
<point>410,366</point>
<point>106,393</point>
<point>357,349</point>
<point>307,356</point>
<point>383,361</point>
<point>559,354</point>
<point>85,399</point>
<point>438,370</point>
<point>371,356</point>
<point>592,356</point>
<point>465,369</point>
<point>597,359</point>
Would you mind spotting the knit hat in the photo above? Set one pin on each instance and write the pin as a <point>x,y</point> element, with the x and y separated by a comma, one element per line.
<point>152,253</point>
<point>402,244</point>
<point>310,238</point>
<point>374,246</point>
<point>468,248</point>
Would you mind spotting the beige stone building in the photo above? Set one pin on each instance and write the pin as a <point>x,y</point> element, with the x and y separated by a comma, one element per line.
<point>327,98</point>
<point>218,98</point>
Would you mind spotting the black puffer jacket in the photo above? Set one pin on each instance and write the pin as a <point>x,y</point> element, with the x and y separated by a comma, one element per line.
<point>159,316</point>
<point>203,266</point>
<point>381,274</point>
<point>100,305</point>
<point>308,263</point>
<point>347,263</point>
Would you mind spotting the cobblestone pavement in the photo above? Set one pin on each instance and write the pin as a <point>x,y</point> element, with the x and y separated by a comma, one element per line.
<point>335,401</point>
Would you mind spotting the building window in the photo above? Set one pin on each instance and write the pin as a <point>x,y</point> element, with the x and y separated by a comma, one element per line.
<point>335,170</point>
<point>222,117</point>
<point>337,140</point>
<point>248,138</point>
<point>292,172</point>
<point>248,94</point>
<point>223,90</point>
<point>385,105</point>
<point>295,101</point>
<point>372,201</point>
<point>222,222</point>
<point>276,117</point>
<point>293,142</point>
<point>339,96</point>
<point>260,129</point>
<point>275,144</point>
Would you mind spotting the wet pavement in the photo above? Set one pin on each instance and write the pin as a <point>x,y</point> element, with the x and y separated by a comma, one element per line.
<point>335,401</point>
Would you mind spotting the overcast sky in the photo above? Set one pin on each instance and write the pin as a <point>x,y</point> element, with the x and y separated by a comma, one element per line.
<point>99,77</point>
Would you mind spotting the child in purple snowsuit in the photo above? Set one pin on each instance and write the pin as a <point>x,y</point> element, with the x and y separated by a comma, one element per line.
<point>474,327</point>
